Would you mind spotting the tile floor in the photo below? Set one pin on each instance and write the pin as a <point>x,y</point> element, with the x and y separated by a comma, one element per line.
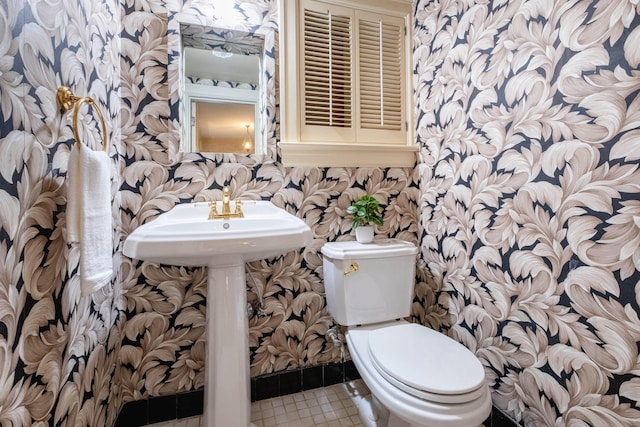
<point>334,406</point>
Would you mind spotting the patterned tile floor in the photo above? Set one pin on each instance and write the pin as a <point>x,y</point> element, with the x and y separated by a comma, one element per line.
<point>333,406</point>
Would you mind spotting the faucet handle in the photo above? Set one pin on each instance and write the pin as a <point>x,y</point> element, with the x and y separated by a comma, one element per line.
<point>238,206</point>
<point>213,212</point>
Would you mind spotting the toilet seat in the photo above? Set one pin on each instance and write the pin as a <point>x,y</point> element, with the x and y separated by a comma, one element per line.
<point>410,408</point>
<point>426,364</point>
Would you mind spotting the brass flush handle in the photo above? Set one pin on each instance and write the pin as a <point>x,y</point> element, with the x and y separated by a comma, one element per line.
<point>353,267</point>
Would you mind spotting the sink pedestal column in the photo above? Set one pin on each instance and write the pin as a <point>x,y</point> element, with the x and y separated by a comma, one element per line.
<point>227,399</point>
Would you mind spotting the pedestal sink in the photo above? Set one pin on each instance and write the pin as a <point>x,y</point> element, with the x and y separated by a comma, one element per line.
<point>184,236</point>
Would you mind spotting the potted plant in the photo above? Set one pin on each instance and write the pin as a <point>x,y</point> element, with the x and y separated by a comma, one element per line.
<point>365,212</point>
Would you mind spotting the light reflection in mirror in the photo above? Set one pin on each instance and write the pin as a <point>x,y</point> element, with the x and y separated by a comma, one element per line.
<point>221,91</point>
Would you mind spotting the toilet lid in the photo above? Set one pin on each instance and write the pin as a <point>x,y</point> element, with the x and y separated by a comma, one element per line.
<point>426,363</point>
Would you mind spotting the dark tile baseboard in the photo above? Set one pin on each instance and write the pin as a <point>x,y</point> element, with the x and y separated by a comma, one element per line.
<point>188,404</point>
<point>183,405</point>
<point>289,382</point>
<point>161,408</point>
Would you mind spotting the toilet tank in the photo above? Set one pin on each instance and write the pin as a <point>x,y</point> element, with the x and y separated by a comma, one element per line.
<point>369,283</point>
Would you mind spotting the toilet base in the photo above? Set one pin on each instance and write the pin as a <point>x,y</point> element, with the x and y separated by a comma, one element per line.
<point>403,409</point>
<point>373,414</point>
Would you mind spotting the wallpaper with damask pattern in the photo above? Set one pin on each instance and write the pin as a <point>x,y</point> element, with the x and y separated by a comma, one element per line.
<point>529,126</point>
<point>164,347</point>
<point>58,350</point>
<point>524,204</point>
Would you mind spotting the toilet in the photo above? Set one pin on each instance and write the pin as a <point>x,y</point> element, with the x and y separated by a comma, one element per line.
<point>417,376</point>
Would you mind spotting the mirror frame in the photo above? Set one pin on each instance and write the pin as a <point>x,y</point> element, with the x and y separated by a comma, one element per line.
<point>202,35</point>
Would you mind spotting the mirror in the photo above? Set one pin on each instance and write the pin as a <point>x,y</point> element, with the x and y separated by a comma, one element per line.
<point>226,98</point>
<point>222,106</point>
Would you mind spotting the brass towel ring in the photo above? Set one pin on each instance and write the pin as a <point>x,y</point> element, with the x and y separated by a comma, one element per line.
<point>67,99</point>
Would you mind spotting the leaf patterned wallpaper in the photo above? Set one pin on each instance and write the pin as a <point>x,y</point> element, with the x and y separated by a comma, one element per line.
<point>163,347</point>
<point>524,203</point>
<point>58,350</point>
<point>529,123</point>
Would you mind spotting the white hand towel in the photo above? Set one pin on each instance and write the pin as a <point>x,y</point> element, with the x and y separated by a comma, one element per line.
<point>89,222</point>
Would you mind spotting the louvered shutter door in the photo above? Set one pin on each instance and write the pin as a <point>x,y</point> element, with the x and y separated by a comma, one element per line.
<point>352,80</point>
<point>381,84</point>
<point>327,72</point>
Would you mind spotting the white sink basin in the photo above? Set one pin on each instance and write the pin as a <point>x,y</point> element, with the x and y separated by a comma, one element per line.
<point>184,235</point>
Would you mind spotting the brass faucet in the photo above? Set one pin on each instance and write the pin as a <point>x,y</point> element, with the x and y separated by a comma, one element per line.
<point>226,207</point>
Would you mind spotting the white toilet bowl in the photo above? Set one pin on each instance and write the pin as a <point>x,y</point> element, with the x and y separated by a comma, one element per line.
<point>417,376</point>
<point>431,400</point>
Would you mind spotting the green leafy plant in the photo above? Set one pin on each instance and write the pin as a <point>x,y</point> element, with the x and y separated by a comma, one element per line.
<point>365,211</point>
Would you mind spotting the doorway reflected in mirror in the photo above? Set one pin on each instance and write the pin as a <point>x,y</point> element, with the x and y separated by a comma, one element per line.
<point>223,127</point>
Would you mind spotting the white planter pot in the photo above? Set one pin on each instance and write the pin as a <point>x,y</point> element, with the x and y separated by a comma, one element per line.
<point>364,234</point>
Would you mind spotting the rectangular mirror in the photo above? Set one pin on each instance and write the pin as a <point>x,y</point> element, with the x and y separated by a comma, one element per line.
<point>226,89</point>
<point>222,102</point>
